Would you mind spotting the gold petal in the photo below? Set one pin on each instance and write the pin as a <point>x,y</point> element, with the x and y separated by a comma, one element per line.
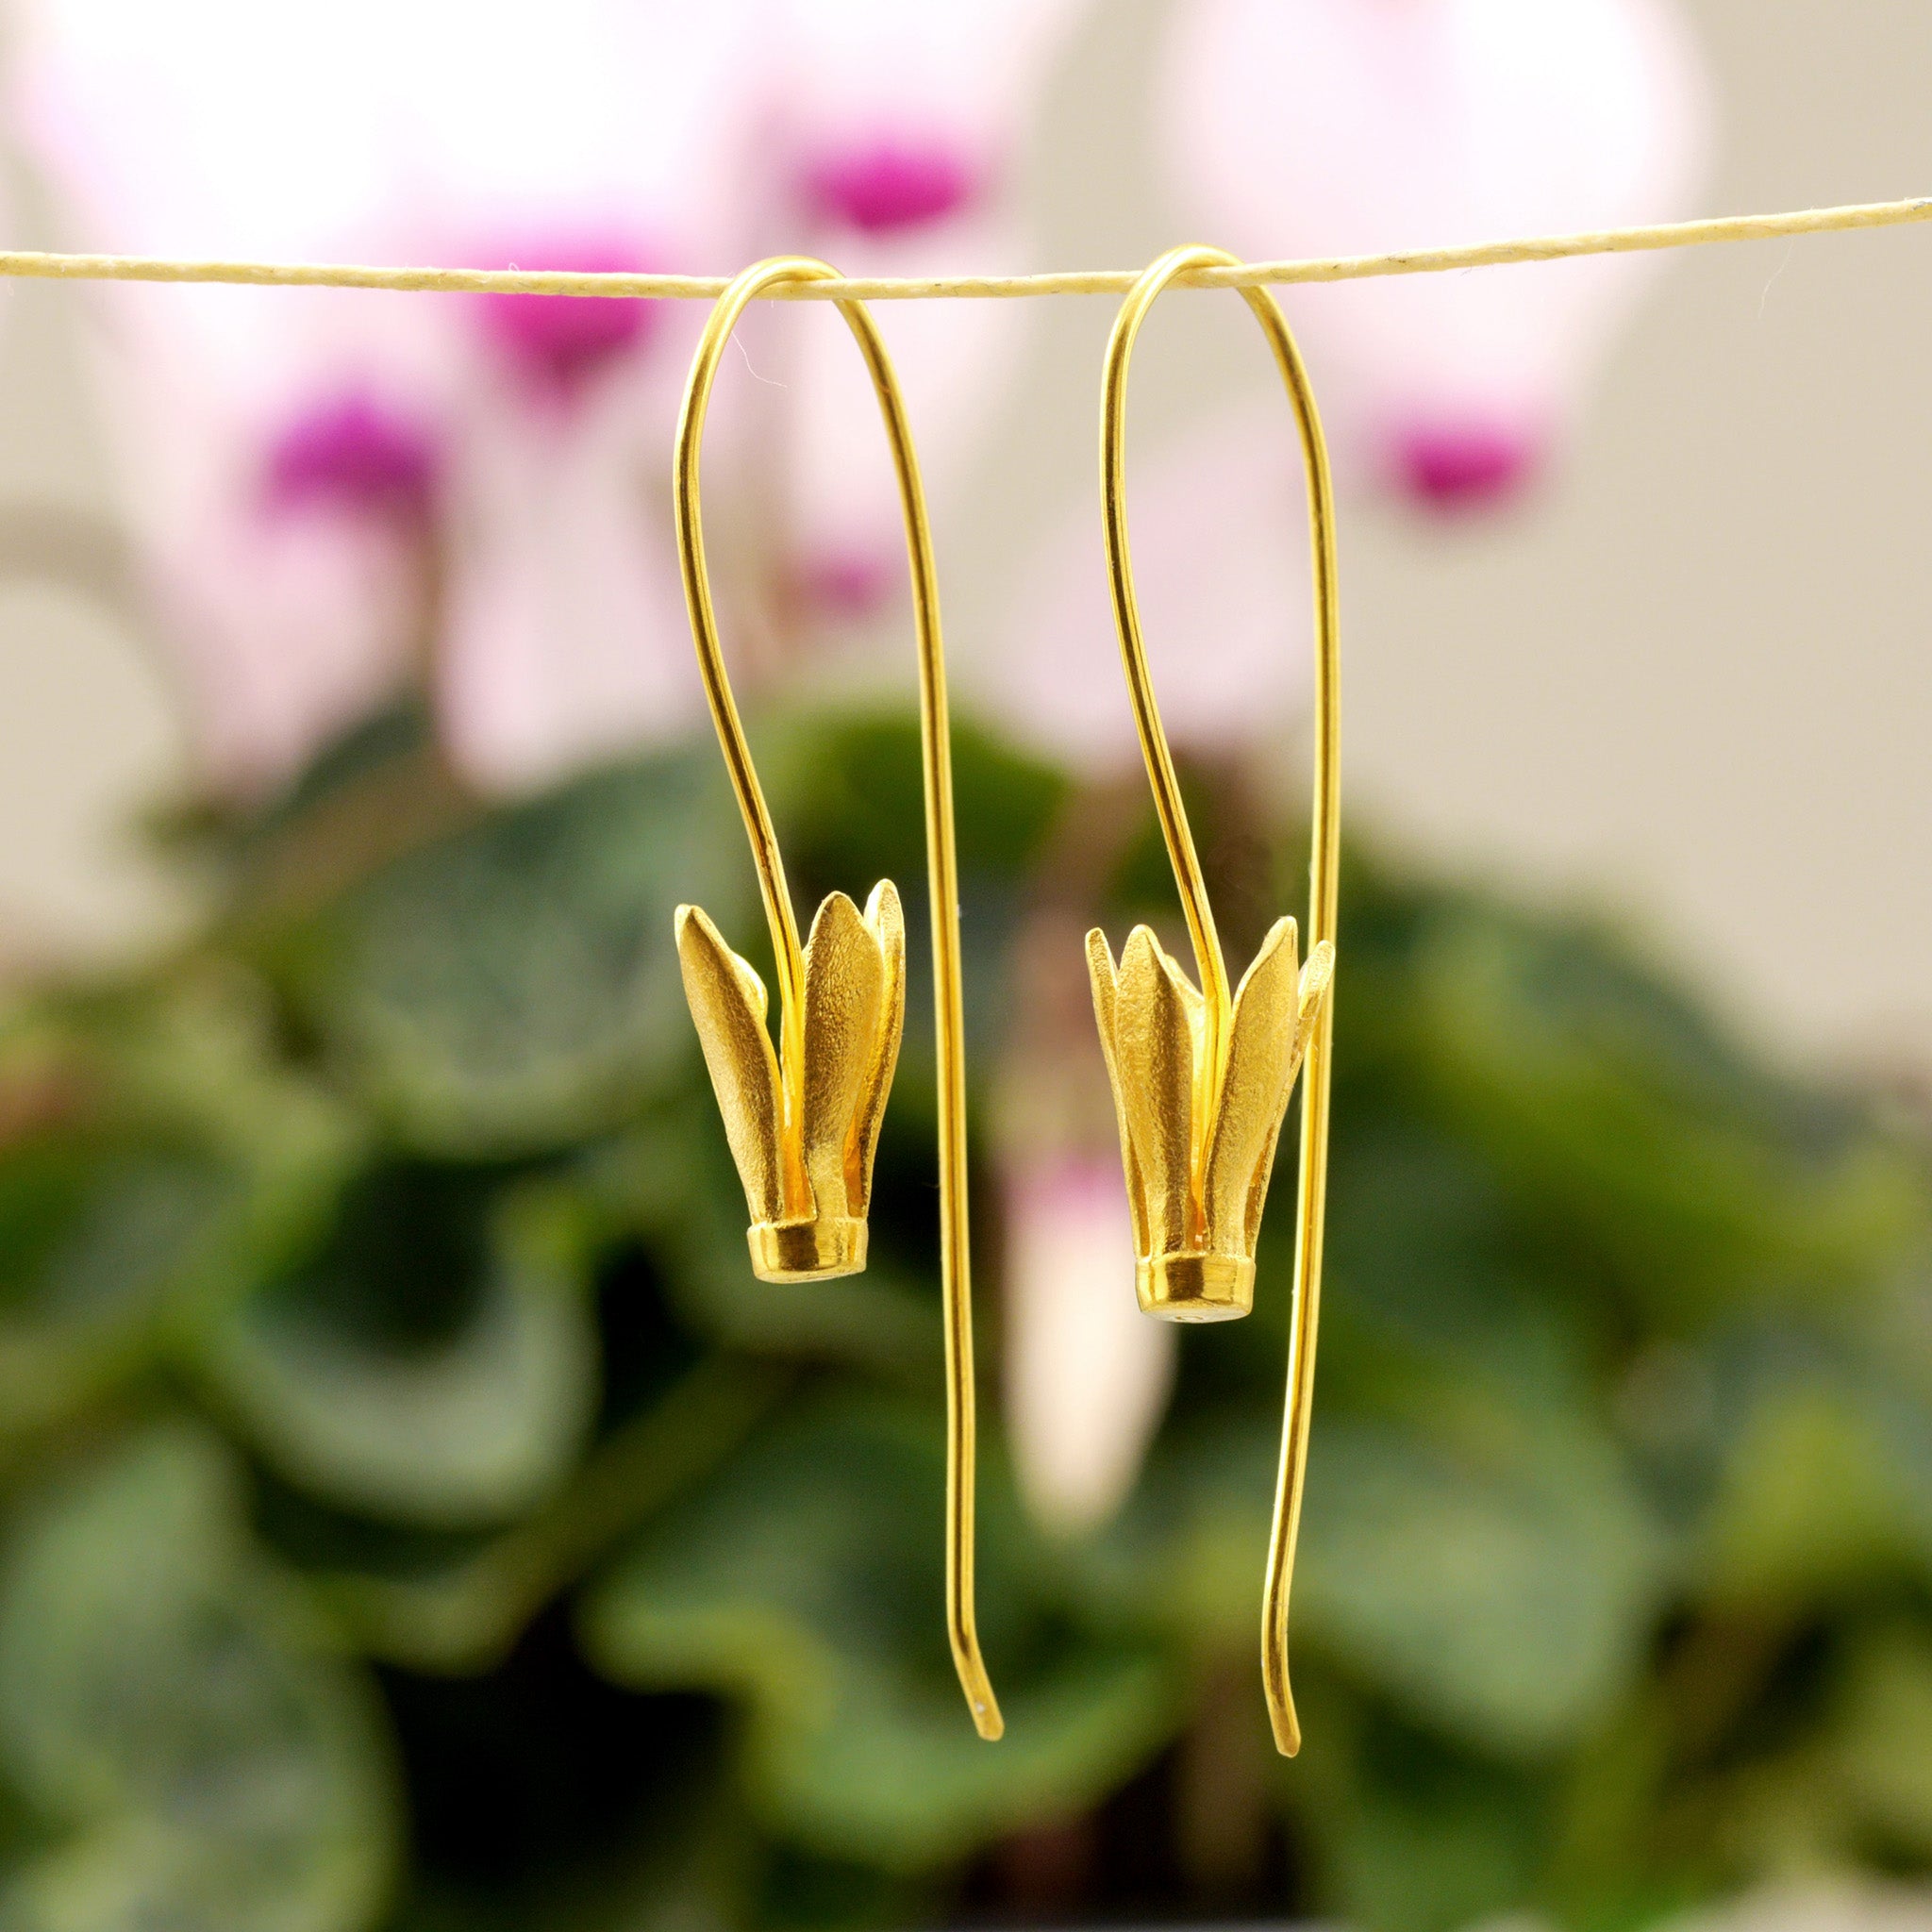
<point>844,1005</point>
<point>1265,1045</point>
<point>1318,982</point>
<point>728,1002</point>
<point>1105,1005</point>
<point>887,923</point>
<point>1156,1035</point>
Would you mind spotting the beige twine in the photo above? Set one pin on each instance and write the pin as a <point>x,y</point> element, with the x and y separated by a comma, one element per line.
<point>1343,268</point>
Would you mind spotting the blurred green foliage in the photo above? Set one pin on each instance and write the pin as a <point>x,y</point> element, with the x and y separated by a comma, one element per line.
<point>417,1516</point>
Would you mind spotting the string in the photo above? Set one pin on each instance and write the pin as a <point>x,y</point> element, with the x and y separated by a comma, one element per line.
<point>41,266</point>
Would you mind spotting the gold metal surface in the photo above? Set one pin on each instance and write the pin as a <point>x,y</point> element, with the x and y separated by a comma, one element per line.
<point>803,1122</point>
<point>805,1155</point>
<point>1198,1149</point>
<point>1202,1081</point>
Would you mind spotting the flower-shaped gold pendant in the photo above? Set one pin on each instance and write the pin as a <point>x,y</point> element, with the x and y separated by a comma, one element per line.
<point>803,1123</point>
<point>1198,1138</point>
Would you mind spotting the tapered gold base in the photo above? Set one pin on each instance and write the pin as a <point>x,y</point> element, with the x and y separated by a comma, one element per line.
<point>1196,1287</point>
<point>807,1250</point>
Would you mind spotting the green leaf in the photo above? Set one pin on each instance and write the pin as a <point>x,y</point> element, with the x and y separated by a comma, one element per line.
<point>1505,1598</point>
<point>176,1718</point>
<point>1420,1839</point>
<point>1437,1295</point>
<point>1824,1486</point>
<point>671,1181</point>
<point>457,1604</point>
<point>1184,1558</point>
<point>1883,1763</point>
<point>849,795</point>
<point>434,1364</point>
<point>1498,1587</point>
<point>807,1579</point>
<point>851,790</point>
<point>160,1164</point>
<point>98,1232</point>
<point>1703,1182</point>
<point>513,984</point>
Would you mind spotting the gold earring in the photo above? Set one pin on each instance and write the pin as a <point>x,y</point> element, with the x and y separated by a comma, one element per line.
<point>803,1124</point>
<point>1202,1082</point>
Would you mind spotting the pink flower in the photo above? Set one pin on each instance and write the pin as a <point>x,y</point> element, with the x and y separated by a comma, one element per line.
<point>282,487</point>
<point>895,104</point>
<point>333,489</point>
<point>1218,529</point>
<point>1310,127</point>
<point>890,185</point>
<point>564,635</point>
<point>357,452</point>
<point>839,507</point>
<point>896,133</point>
<point>562,342</point>
<point>1087,1374</point>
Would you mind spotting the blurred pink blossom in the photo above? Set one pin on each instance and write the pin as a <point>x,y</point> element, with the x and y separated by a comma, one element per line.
<point>1310,127</point>
<point>356,452</point>
<point>904,113</point>
<point>564,635</point>
<point>330,487</point>
<point>282,486</point>
<point>1087,1374</point>
<point>840,509</point>
<point>899,133</point>
<point>1217,526</point>
<point>890,186</point>
<point>560,343</point>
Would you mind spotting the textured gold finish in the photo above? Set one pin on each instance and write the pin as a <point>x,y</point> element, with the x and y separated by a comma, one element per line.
<point>805,1157</point>
<point>1198,1150</point>
<point>1202,1081</point>
<point>803,1121</point>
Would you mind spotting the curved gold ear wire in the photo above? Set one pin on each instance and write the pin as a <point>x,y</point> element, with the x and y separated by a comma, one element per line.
<point>1202,1082</point>
<point>803,1127</point>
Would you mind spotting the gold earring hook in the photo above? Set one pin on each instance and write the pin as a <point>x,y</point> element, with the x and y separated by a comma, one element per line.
<point>859,1069</point>
<point>1227,1066</point>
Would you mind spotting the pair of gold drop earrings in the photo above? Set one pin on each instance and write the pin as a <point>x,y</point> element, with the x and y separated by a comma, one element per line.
<point>1201,1078</point>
